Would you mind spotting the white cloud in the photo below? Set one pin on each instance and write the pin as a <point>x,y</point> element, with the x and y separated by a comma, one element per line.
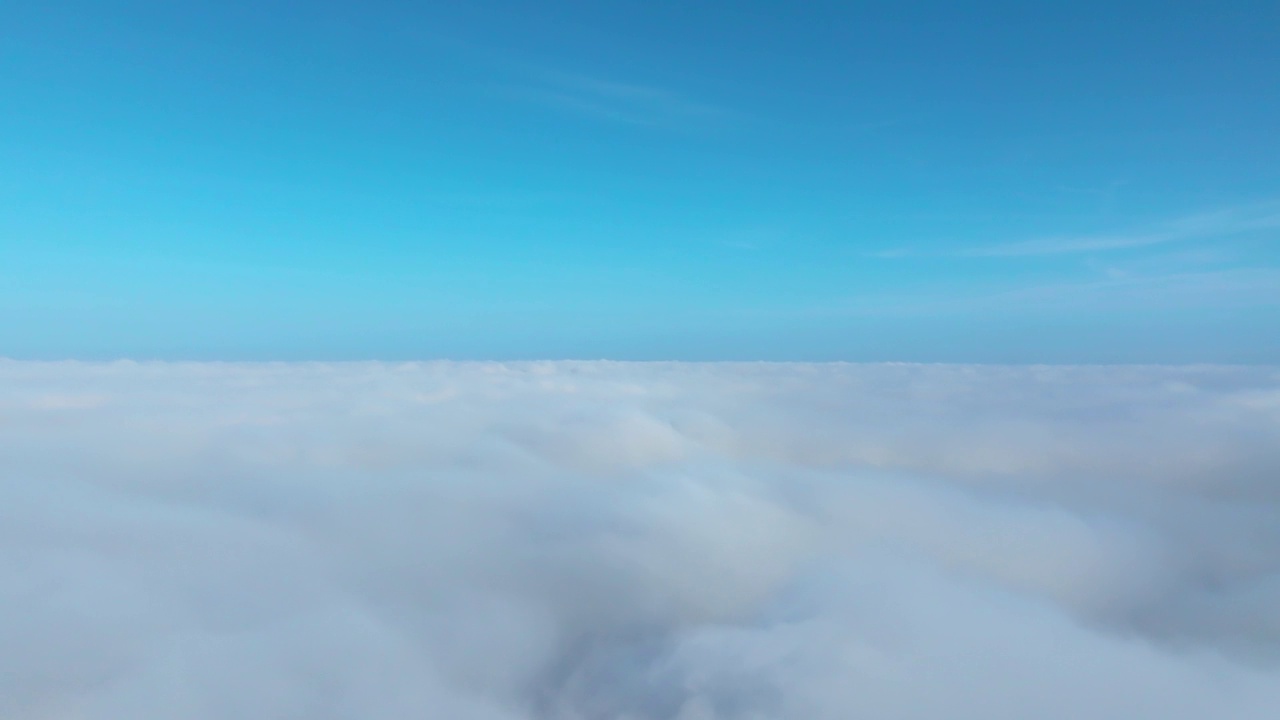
<point>582,541</point>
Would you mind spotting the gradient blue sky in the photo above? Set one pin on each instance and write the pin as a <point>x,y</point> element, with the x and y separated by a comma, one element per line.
<point>995,181</point>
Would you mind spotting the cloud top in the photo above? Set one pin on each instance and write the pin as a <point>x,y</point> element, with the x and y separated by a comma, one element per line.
<point>613,541</point>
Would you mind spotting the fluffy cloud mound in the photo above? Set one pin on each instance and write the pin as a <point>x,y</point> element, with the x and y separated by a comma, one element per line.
<point>604,541</point>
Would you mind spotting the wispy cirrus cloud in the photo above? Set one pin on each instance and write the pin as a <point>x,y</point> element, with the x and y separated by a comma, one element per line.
<point>1225,287</point>
<point>1202,226</point>
<point>1218,224</point>
<point>611,100</point>
<point>1110,289</point>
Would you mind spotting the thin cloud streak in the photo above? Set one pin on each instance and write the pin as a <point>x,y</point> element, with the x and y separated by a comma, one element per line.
<point>1225,223</point>
<point>614,101</point>
<point>1219,224</point>
<point>1238,287</point>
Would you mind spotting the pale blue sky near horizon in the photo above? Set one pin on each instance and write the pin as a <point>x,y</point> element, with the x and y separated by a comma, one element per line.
<point>922,181</point>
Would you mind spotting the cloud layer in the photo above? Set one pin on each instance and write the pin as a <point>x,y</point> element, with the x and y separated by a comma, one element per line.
<point>601,541</point>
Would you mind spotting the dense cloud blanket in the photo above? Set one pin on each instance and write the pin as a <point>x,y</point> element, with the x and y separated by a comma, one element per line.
<point>604,541</point>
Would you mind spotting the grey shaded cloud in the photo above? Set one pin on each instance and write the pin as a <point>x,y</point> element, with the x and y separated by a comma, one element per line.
<point>581,541</point>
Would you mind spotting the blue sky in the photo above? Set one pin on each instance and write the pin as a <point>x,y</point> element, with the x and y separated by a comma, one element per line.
<point>993,182</point>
